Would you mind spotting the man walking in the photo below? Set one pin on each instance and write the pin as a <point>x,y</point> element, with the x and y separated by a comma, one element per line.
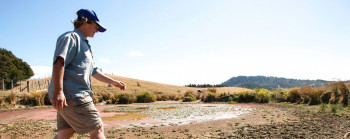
<point>70,90</point>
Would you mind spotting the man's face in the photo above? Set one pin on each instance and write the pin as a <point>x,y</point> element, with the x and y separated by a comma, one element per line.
<point>92,28</point>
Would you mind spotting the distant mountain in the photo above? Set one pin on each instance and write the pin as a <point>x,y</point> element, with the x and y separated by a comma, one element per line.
<point>252,82</point>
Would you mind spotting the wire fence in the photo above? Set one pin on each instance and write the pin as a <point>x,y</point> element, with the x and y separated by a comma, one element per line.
<point>32,85</point>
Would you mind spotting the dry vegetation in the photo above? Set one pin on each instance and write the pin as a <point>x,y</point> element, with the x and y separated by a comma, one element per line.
<point>136,91</point>
<point>161,92</point>
<point>144,92</point>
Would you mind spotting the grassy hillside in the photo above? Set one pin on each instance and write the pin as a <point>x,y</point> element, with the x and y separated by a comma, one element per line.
<point>135,86</point>
<point>136,91</point>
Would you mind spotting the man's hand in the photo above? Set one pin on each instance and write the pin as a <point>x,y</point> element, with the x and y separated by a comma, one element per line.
<point>119,84</point>
<point>101,77</point>
<point>59,101</point>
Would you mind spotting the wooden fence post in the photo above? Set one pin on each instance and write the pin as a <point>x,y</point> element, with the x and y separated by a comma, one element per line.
<point>11,85</point>
<point>28,86</point>
<point>39,85</point>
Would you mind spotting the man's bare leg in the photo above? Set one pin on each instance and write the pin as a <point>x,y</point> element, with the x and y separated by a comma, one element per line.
<point>65,134</point>
<point>97,133</point>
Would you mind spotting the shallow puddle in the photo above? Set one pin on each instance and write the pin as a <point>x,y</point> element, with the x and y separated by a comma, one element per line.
<point>166,108</point>
<point>128,116</point>
<point>170,114</point>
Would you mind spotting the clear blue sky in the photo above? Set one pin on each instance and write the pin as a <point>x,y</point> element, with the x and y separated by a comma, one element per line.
<point>191,41</point>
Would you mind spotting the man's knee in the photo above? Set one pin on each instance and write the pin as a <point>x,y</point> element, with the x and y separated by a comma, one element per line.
<point>65,133</point>
<point>97,131</point>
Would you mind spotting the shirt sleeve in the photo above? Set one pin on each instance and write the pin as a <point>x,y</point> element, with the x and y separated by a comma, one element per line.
<point>65,48</point>
<point>95,70</point>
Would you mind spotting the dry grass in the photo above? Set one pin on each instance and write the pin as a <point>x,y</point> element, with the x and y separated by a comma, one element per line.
<point>135,86</point>
<point>162,91</point>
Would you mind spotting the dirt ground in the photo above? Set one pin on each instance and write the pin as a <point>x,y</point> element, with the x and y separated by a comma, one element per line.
<point>262,121</point>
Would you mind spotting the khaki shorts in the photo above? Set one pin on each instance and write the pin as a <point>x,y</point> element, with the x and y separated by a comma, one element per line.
<point>81,115</point>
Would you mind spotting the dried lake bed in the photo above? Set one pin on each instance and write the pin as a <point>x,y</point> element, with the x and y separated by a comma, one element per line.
<point>169,119</point>
<point>169,114</point>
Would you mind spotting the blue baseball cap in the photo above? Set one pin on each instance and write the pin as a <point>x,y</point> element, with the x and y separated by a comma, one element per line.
<point>91,15</point>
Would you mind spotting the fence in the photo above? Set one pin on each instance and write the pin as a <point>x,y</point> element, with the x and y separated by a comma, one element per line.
<point>27,85</point>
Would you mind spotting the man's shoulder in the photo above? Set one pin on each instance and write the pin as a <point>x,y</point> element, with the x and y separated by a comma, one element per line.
<point>69,35</point>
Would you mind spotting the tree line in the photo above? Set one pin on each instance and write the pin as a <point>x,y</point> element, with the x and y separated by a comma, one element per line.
<point>253,82</point>
<point>204,85</point>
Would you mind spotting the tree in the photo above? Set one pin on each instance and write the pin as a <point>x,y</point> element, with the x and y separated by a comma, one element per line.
<point>13,68</point>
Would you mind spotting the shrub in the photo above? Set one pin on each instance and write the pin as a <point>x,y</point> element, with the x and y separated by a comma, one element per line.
<point>189,97</point>
<point>199,95</point>
<point>2,101</point>
<point>204,95</point>
<point>227,97</point>
<point>173,97</point>
<point>279,96</point>
<point>234,97</point>
<point>47,100</point>
<point>106,95</point>
<point>250,96</point>
<point>95,99</point>
<point>246,96</point>
<point>146,97</point>
<point>223,97</point>
<point>27,99</point>
<point>262,96</point>
<point>325,97</point>
<point>124,98</point>
<point>315,96</point>
<point>335,95</point>
<point>344,91</point>
<point>294,96</point>
<point>304,93</point>
<point>35,99</point>
<point>38,97</point>
<point>241,97</point>
<point>210,97</point>
<point>162,97</point>
<point>11,99</point>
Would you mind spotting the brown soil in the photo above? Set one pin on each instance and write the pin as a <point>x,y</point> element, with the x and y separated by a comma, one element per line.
<point>265,121</point>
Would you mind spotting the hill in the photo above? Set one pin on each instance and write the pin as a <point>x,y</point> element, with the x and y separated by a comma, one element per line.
<point>135,86</point>
<point>270,82</point>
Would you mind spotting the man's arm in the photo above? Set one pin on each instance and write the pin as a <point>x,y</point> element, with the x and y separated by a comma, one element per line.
<point>106,79</point>
<point>58,99</point>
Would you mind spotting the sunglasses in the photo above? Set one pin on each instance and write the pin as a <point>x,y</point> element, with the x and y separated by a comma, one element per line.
<point>91,21</point>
